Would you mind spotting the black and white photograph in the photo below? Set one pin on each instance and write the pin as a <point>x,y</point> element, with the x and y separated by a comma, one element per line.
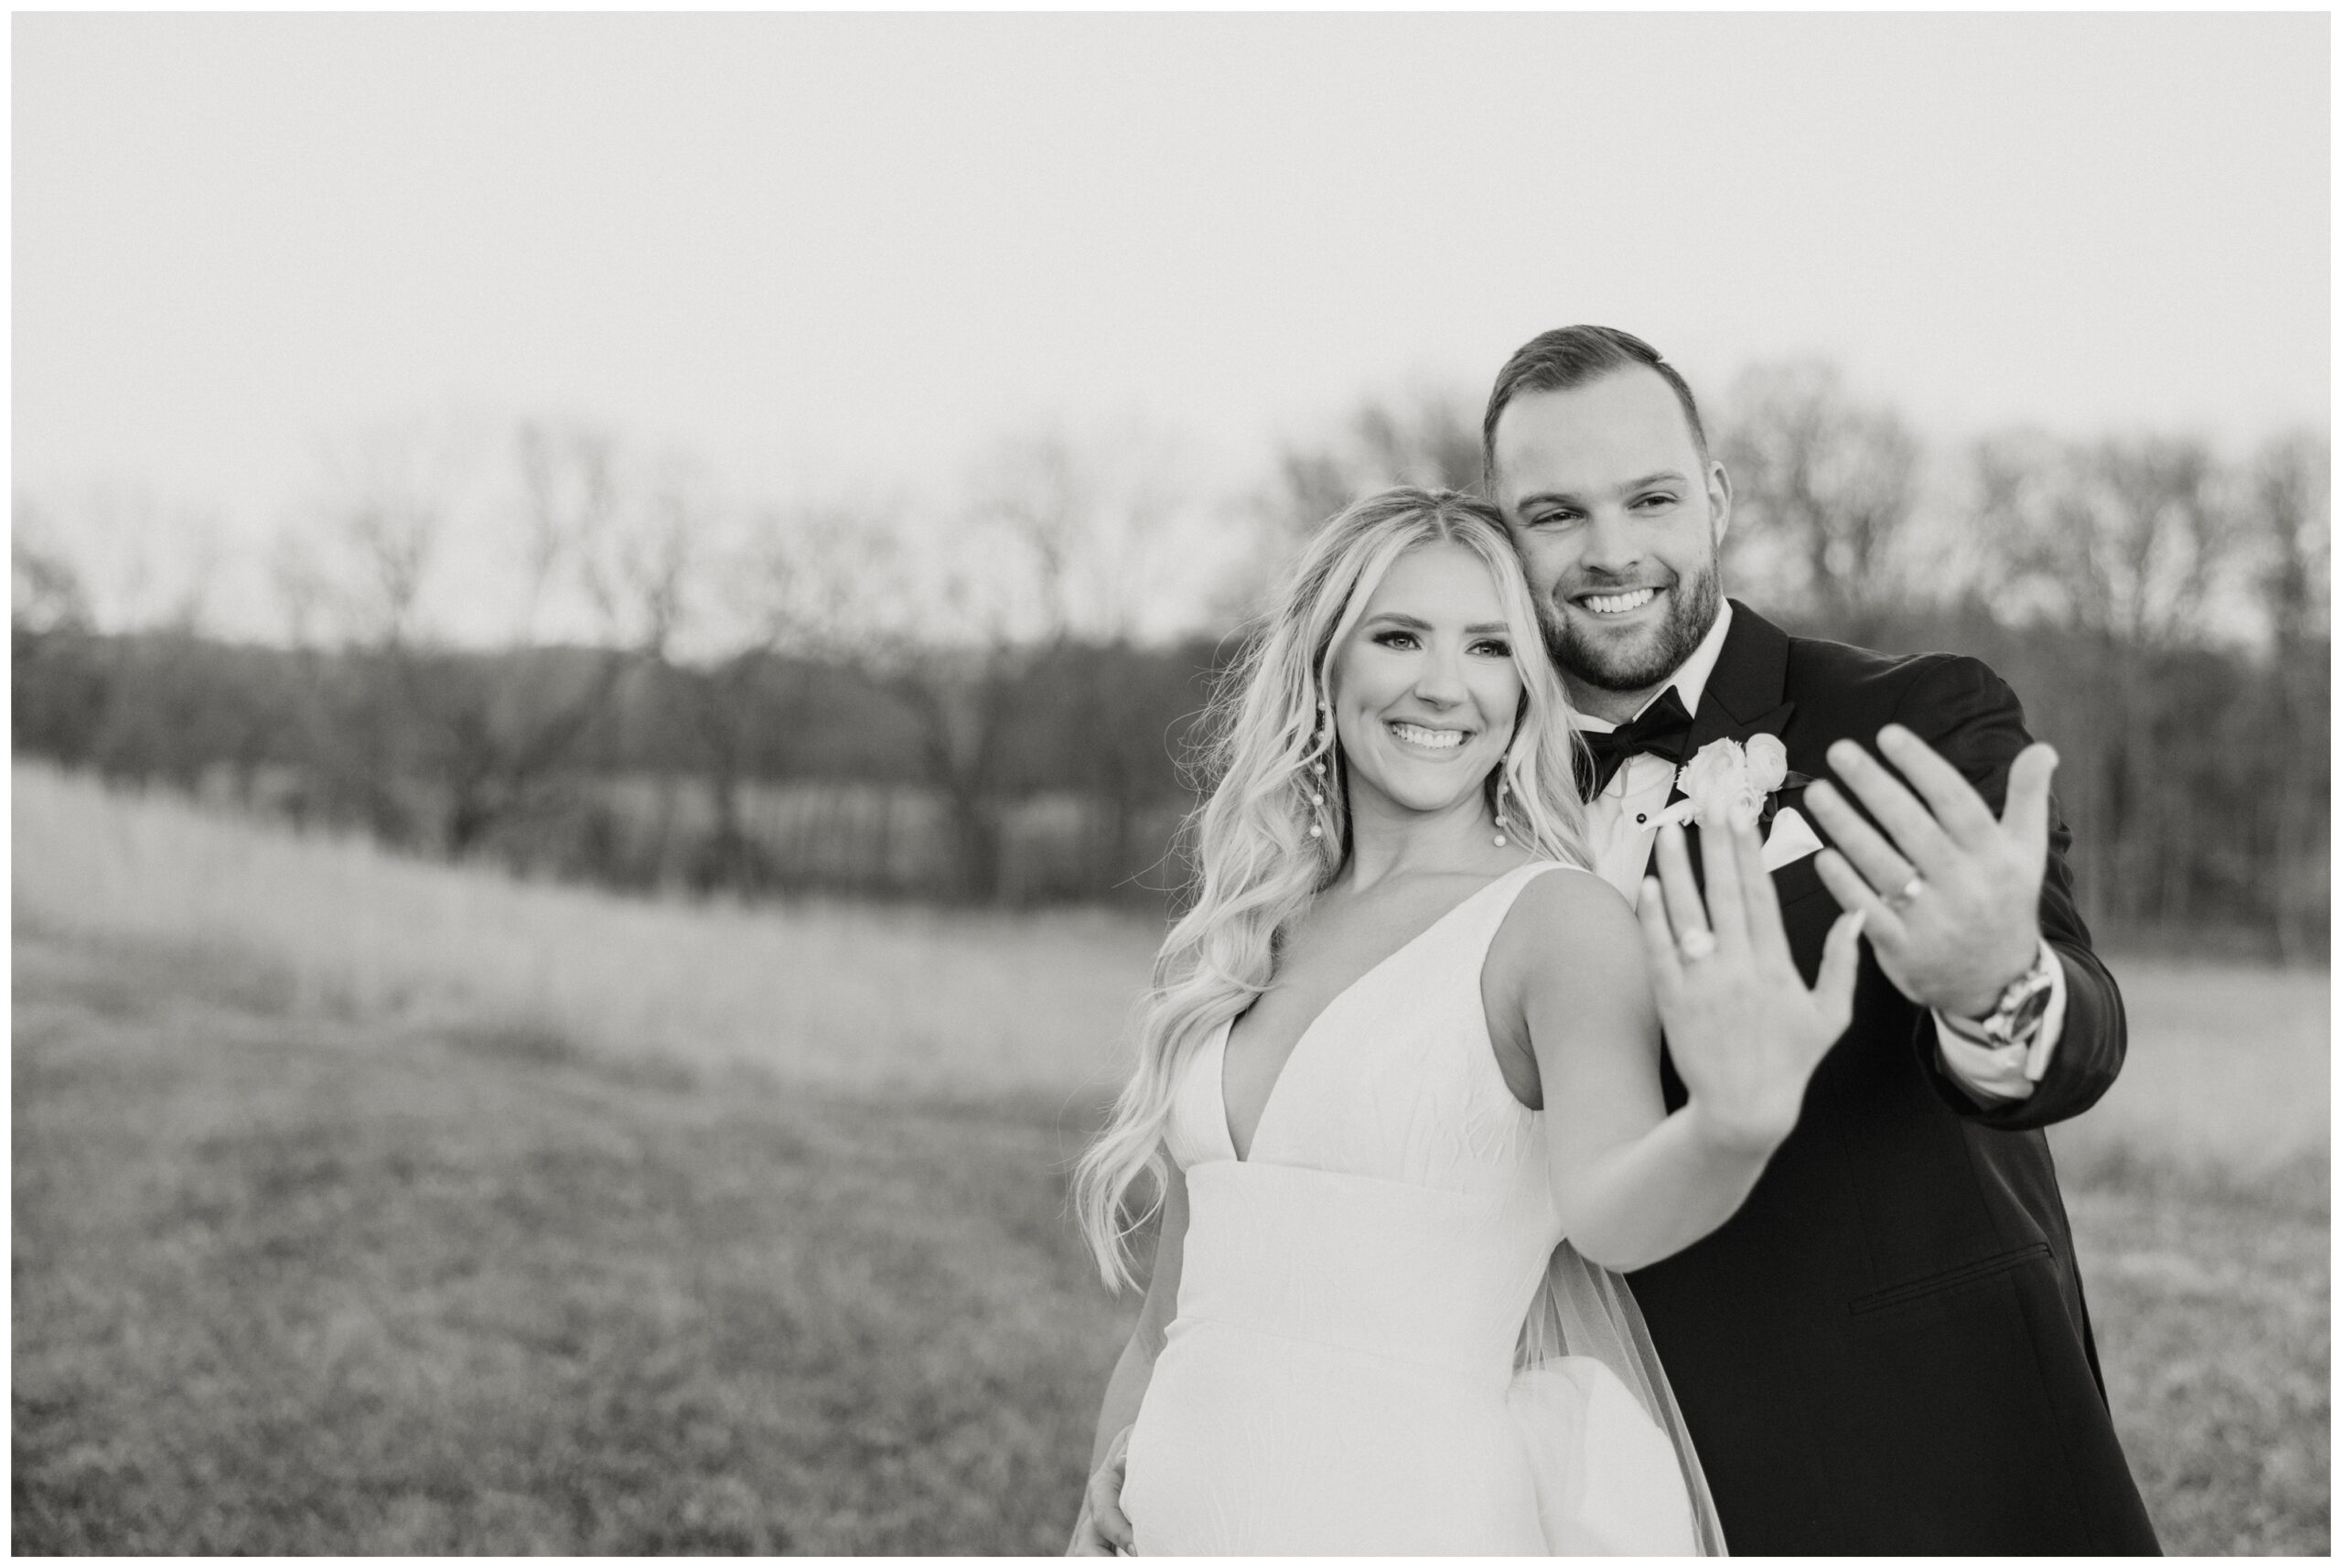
<point>1170,783</point>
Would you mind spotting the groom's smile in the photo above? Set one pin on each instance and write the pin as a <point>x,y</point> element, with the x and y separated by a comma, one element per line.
<point>1609,607</point>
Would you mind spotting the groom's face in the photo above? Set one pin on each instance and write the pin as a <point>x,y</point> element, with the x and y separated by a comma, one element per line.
<point>1618,518</point>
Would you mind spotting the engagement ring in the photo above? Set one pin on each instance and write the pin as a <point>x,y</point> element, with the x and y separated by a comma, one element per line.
<point>1697,943</point>
<point>1911,891</point>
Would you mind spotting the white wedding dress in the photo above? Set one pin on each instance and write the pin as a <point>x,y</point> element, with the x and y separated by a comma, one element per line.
<point>1378,1349</point>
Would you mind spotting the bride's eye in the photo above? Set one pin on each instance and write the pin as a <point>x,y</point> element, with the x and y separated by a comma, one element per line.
<point>1495,647</point>
<point>1401,639</point>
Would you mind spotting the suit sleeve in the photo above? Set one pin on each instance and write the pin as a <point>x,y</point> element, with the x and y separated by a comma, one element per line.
<point>1970,714</point>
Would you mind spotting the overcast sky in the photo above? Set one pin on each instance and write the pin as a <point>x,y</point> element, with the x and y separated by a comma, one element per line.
<point>840,251</point>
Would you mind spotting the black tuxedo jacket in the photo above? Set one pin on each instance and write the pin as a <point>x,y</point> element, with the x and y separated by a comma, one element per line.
<point>1886,1350</point>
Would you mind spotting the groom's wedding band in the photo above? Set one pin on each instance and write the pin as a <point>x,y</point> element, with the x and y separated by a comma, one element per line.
<point>1696,943</point>
<point>1911,891</point>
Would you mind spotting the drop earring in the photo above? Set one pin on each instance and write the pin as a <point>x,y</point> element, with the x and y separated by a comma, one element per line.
<point>1503,785</point>
<point>1318,788</point>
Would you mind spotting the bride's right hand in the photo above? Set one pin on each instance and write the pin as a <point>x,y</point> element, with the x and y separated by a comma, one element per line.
<point>1745,1032</point>
<point>1103,1530</point>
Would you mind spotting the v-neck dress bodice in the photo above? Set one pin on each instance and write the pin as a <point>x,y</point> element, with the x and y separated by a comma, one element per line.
<point>1339,1378</point>
<point>1394,1079</point>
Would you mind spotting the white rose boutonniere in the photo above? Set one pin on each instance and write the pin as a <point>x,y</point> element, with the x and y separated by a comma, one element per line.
<point>1724,774</point>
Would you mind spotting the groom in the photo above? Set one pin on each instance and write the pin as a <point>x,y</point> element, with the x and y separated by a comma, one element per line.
<point>1886,1350</point>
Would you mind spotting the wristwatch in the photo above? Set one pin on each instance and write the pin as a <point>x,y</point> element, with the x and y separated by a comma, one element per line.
<point>2018,1013</point>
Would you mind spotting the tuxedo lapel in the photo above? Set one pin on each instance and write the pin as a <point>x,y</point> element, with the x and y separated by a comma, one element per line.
<point>1743,698</point>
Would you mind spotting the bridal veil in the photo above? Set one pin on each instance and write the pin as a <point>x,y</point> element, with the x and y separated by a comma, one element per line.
<point>1617,1473</point>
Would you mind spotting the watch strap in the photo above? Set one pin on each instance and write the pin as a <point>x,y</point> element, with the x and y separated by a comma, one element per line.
<point>2021,1003</point>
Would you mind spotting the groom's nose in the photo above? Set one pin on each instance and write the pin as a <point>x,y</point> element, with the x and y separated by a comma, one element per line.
<point>1612,543</point>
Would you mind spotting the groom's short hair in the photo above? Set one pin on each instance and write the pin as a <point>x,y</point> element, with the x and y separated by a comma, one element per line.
<point>1572,356</point>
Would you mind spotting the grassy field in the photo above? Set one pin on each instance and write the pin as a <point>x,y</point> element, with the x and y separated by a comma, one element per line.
<point>405,1227</point>
<point>843,995</point>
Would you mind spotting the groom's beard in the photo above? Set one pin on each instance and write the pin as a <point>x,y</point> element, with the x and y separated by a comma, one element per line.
<point>1646,661</point>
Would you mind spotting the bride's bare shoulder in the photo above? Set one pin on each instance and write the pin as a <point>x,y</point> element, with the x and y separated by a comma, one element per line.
<point>1568,892</point>
<point>1567,927</point>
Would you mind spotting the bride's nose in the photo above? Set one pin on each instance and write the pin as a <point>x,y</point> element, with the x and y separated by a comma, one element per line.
<point>1440,681</point>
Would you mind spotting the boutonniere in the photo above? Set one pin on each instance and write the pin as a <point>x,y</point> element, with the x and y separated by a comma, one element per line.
<point>1726,773</point>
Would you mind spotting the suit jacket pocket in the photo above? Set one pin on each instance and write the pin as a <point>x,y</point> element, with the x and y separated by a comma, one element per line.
<point>1931,1284</point>
<point>1798,879</point>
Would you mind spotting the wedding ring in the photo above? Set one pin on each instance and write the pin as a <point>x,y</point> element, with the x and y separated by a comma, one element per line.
<point>1696,943</point>
<point>1911,891</point>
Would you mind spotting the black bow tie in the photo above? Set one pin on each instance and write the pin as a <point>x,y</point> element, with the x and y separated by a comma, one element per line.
<point>1661,728</point>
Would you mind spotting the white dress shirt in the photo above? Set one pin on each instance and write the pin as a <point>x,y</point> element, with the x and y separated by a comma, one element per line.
<point>1619,828</point>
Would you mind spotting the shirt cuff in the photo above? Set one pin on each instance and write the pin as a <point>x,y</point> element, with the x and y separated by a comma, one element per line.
<point>1996,1074</point>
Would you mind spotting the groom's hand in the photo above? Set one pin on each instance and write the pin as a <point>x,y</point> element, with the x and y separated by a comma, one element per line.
<point>1950,898</point>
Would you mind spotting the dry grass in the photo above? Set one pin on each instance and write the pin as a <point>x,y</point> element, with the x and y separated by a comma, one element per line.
<point>2227,1066</point>
<point>2227,1077</point>
<point>365,1206</point>
<point>2211,1309</point>
<point>835,995</point>
<point>290,1285</point>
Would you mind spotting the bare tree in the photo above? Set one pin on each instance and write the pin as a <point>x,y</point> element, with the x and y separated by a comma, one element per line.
<point>133,579</point>
<point>1097,522</point>
<point>622,541</point>
<point>46,593</point>
<point>791,585</point>
<point>2124,539</point>
<point>940,626</point>
<point>595,558</point>
<point>2122,542</point>
<point>1425,439</point>
<point>2289,513</point>
<point>349,572</point>
<point>1053,550</point>
<point>635,538</point>
<point>144,564</point>
<point>59,685</point>
<point>1824,489</point>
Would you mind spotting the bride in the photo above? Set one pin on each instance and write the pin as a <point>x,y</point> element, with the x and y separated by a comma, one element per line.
<point>1403,1047</point>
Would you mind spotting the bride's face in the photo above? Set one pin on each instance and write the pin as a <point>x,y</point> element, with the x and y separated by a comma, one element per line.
<point>1424,689</point>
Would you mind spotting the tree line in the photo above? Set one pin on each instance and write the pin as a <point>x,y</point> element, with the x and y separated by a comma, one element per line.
<point>965,702</point>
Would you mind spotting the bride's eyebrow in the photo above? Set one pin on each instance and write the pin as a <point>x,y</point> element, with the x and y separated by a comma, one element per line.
<point>1416,623</point>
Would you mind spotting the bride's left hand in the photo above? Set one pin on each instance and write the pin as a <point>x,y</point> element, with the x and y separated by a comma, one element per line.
<point>1745,1032</point>
<point>1103,1529</point>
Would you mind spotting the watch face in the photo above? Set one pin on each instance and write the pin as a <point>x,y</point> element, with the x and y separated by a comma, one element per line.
<point>2020,1007</point>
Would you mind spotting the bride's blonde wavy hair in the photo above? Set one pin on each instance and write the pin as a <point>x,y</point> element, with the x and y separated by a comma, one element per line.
<point>1258,867</point>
